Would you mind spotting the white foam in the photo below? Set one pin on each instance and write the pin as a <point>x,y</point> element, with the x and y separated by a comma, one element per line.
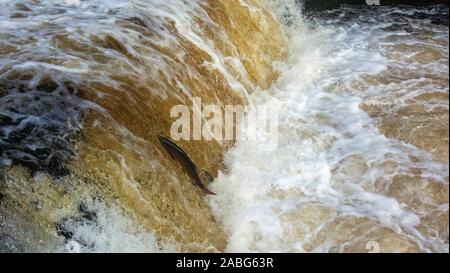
<point>83,19</point>
<point>112,231</point>
<point>320,124</point>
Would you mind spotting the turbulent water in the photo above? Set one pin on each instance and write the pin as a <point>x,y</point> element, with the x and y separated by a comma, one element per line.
<point>86,87</point>
<point>359,162</point>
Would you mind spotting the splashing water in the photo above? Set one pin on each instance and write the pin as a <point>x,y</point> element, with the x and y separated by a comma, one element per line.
<point>85,88</point>
<point>338,180</point>
<point>360,158</point>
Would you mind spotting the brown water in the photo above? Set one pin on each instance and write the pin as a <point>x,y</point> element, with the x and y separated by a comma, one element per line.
<point>361,161</point>
<point>85,90</point>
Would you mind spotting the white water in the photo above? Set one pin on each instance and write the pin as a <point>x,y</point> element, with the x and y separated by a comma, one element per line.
<point>277,198</point>
<point>111,231</point>
<point>330,155</point>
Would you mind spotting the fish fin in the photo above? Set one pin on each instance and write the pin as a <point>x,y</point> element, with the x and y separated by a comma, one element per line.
<point>206,191</point>
<point>206,177</point>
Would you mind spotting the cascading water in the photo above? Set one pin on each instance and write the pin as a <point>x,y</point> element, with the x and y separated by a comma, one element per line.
<point>360,161</point>
<point>362,157</point>
<point>86,87</point>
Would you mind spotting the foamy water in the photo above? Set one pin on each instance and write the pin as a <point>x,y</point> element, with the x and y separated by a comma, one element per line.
<point>359,162</point>
<point>330,183</point>
<point>85,89</point>
<point>107,229</point>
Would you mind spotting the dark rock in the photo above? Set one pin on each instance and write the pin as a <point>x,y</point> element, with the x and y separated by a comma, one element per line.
<point>87,213</point>
<point>38,127</point>
<point>62,230</point>
<point>65,227</point>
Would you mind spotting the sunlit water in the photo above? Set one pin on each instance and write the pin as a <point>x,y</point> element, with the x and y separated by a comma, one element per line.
<point>342,178</point>
<point>359,162</point>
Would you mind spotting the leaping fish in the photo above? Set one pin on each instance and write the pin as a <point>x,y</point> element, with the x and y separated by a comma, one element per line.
<point>186,163</point>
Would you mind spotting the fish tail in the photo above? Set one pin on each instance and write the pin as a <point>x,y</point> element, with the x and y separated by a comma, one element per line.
<point>208,192</point>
